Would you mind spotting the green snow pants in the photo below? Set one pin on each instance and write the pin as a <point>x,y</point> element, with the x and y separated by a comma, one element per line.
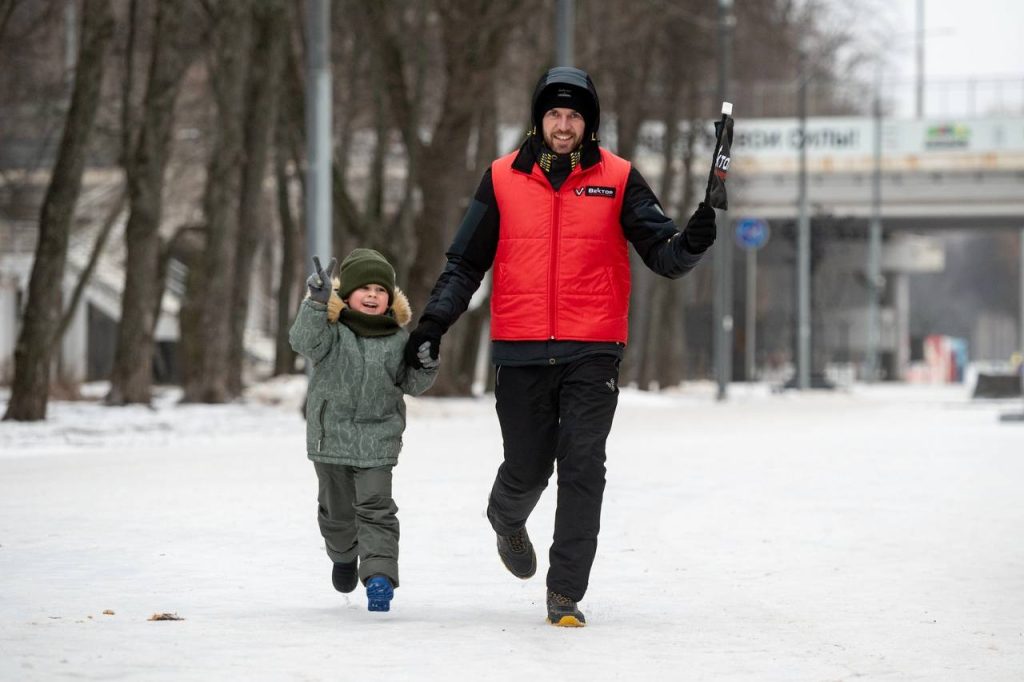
<point>358,518</point>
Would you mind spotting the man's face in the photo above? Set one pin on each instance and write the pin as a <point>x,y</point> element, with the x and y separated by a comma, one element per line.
<point>563,129</point>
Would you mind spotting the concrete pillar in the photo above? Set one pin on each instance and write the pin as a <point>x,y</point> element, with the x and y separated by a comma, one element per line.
<point>9,326</point>
<point>901,306</point>
<point>74,346</point>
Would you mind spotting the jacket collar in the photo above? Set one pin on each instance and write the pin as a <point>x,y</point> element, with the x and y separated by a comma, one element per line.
<point>527,156</point>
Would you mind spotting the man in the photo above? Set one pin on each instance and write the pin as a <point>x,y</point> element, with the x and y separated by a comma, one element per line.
<point>553,220</point>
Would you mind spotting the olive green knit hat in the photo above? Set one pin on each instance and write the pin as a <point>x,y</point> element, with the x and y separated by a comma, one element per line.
<point>366,266</point>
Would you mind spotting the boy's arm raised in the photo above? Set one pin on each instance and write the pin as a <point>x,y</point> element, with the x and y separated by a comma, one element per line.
<point>310,334</point>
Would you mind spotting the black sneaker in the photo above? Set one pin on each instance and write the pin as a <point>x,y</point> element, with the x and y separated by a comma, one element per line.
<point>516,552</point>
<point>345,576</point>
<point>563,611</point>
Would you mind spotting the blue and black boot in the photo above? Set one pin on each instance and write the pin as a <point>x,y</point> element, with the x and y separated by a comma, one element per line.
<point>516,552</point>
<point>345,576</point>
<point>379,593</point>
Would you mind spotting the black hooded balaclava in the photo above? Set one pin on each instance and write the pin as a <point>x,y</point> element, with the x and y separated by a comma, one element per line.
<point>567,86</point>
<point>564,86</point>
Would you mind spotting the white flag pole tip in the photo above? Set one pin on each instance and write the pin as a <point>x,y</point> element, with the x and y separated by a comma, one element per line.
<point>727,108</point>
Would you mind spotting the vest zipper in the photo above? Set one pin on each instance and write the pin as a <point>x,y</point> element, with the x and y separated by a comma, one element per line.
<point>323,427</point>
<point>556,209</point>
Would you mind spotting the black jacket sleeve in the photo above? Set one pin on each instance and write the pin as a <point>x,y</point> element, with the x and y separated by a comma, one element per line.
<point>470,256</point>
<point>653,234</point>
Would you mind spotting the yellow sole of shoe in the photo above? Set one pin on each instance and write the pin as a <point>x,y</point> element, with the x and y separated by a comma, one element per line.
<point>568,622</point>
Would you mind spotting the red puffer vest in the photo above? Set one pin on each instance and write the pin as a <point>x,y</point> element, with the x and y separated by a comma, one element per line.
<point>562,266</point>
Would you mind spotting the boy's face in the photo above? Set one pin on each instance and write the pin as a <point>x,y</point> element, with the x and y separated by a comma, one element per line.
<point>371,299</point>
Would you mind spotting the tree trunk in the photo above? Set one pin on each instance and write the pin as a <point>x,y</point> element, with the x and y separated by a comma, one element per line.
<point>94,258</point>
<point>38,337</point>
<point>287,300</point>
<point>263,94</point>
<point>289,146</point>
<point>697,286</point>
<point>658,323</point>
<point>231,40</point>
<point>472,38</point>
<point>462,343</point>
<point>473,51</point>
<point>132,375</point>
<point>631,81</point>
<point>188,249</point>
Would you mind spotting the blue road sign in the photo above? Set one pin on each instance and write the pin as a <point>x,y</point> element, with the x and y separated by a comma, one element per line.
<point>751,233</point>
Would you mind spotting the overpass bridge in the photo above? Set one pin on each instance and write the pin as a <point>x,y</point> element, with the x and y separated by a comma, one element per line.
<point>937,174</point>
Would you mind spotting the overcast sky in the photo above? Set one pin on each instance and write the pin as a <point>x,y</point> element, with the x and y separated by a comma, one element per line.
<point>968,37</point>
<point>981,40</point>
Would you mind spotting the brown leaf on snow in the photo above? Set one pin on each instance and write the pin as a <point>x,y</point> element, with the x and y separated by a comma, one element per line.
<point>108,612</point>
<point>165,616</point>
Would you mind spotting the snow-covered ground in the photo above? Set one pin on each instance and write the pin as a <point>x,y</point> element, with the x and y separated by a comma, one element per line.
<point>872,533</point>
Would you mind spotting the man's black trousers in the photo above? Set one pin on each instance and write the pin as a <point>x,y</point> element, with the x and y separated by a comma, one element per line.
<point>556,414</point>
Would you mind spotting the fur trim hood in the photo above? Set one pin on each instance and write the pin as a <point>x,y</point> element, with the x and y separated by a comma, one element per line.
<point>400,307</point>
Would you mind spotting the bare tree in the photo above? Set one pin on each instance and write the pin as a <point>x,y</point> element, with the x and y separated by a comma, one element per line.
<point>35,347</point>
<point>288,152</point>
<point>6,10</point>
<point>271,31</point>
<point>232,37</point>
<point>287,291</point>
<point>100,243</point>
<point>470,39</point>
<point>613,29</point>
<point>35,92</point>
<point>661,335</point>
<point>187,248</point>
<point>145,158</point>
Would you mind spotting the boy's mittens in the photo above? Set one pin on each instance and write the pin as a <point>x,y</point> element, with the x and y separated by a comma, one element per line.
<point>319,282</point>
<point>427,333</point>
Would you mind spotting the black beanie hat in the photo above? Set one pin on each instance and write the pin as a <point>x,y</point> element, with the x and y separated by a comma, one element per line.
<point>567,86</point>
<point>567,96</point>
<point>366,266</point>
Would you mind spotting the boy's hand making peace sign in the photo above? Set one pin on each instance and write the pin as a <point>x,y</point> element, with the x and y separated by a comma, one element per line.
<point>319,282</point>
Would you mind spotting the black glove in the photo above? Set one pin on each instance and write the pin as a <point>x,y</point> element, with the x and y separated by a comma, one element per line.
<point>700,230</point>
<point>319,282</point>
<point>426,332</point>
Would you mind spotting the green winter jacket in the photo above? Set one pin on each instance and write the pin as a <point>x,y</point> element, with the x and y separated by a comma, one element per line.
<point>355,412</point>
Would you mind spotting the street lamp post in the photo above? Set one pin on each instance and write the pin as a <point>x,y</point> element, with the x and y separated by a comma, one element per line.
<point>1020,319</point>
<point>803,270</point>
<point>874,273</point>
<point>919,54</point>
<point>318,135</point>
<point>564,24</point>
<point>723,251</point>
<point>1013,416</point>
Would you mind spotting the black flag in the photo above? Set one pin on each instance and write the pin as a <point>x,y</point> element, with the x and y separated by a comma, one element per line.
<point>715,196</point>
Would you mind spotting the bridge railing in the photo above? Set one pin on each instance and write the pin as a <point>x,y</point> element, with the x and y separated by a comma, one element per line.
<point>961,96</point>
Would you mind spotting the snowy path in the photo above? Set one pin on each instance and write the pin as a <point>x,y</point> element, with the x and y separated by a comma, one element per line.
<point>869,534</point>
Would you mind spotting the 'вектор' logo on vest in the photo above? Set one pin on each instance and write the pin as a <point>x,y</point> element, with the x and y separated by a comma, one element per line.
<point>596,191</point>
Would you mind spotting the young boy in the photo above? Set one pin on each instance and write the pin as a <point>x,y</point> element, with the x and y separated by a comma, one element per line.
<point>352,333</point>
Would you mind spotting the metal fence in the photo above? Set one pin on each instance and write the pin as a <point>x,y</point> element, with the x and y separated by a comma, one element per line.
<point>954,97</point>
